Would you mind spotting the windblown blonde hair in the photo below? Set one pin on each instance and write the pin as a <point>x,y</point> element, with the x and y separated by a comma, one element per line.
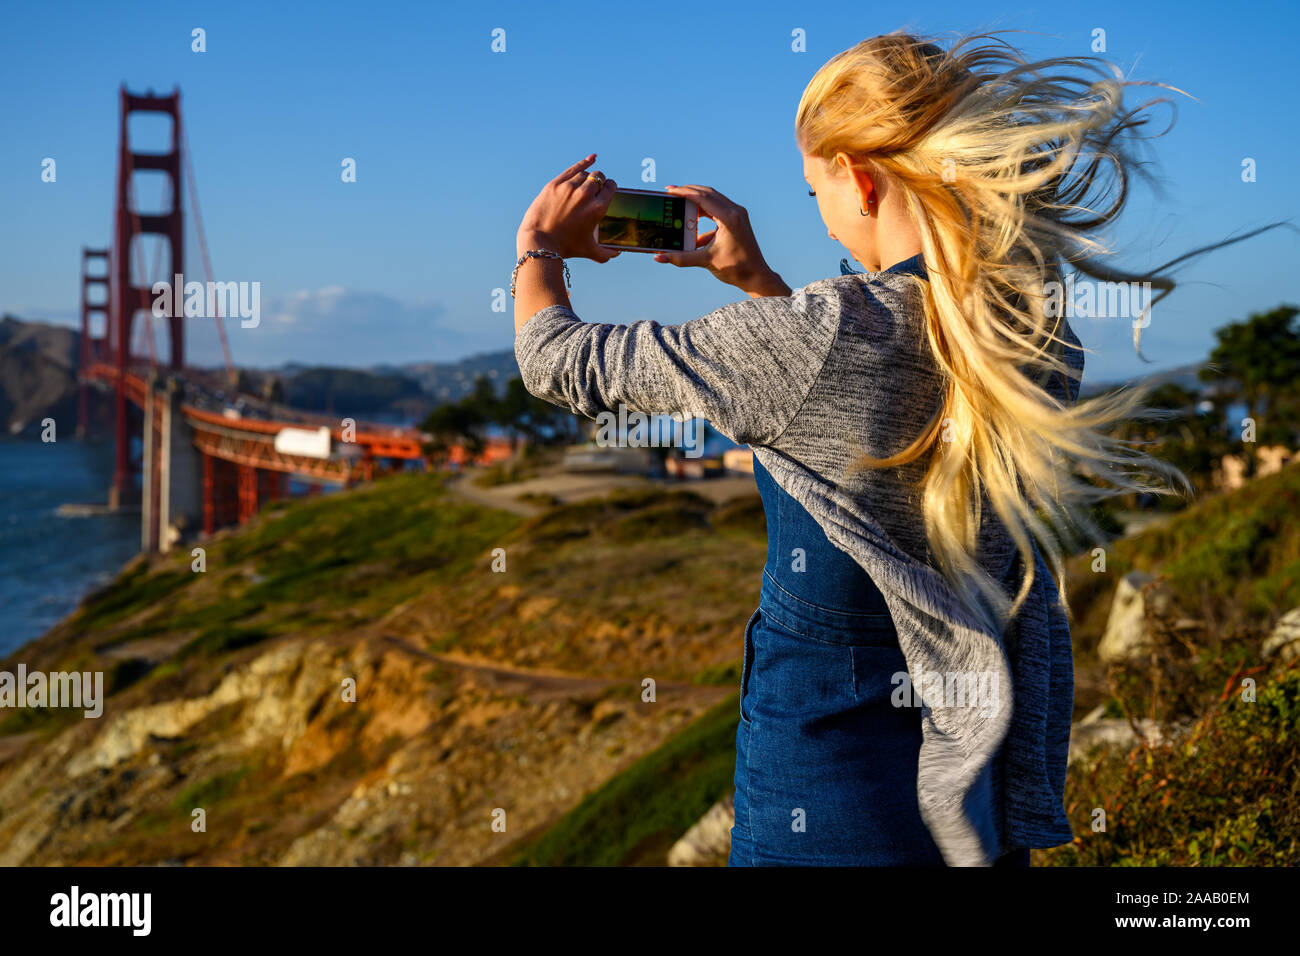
<point>1010,168</point>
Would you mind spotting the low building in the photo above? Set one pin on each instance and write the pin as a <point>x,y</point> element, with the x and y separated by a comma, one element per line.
<point>593,457</point>
<point>739,461</point>
<point>1231,473</point>
<point>494,450</point>
<point>685,469</point>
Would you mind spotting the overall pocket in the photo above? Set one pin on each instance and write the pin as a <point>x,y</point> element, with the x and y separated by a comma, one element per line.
<point>748,665</point>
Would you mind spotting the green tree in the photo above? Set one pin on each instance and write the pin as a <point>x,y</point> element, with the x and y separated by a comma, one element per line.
<point>483,398</point>
<point>1191,439</point>
<point>1257,362</point>
<point>458,423</point>
<point>516,410</point>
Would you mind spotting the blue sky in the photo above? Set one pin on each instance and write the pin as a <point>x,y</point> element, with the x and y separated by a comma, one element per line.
<point>452,141</point>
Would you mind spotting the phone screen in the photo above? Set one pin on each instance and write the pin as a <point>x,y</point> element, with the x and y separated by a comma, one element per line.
<point>648,222</point>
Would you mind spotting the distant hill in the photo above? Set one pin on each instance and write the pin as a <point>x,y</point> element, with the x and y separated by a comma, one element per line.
<point>354,391</point>
<point>38,377</point>
<point>449,381</point>
<point>407,391</point>
<point>1186,376</point>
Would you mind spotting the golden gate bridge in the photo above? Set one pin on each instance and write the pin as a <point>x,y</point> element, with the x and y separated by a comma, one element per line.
<point>203,464</point>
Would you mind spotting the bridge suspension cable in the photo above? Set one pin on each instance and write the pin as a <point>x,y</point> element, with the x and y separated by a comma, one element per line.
<point>187,165</point>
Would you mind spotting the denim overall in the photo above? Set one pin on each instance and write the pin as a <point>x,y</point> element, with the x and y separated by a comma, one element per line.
<point>825,764</point>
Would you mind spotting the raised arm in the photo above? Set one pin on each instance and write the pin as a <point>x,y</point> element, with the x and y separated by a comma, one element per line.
<point>746,367</point>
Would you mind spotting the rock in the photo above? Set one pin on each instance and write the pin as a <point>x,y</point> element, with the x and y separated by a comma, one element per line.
<point>278,690</point>
<point>1283,644</point>
<point>1093,732</point>
<point>1092,716</point>
<point>605,713</point>
<point>1128,634</point>
<point>708,842</point>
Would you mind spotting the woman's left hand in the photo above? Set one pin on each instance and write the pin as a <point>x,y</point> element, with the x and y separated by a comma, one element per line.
<point>564,216</point>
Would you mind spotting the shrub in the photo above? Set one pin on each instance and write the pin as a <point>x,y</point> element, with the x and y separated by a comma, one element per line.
<point>1226,794</point>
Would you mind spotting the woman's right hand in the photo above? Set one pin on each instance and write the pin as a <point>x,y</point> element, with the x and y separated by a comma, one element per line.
<point>729,251</point>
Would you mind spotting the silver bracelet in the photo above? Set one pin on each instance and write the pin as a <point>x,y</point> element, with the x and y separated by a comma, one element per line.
<point>538,254</point>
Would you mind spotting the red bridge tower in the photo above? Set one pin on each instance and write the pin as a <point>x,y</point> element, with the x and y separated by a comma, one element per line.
<point>128,298</point>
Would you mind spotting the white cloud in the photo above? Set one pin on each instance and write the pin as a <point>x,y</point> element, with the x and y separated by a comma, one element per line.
<point>338,326</point>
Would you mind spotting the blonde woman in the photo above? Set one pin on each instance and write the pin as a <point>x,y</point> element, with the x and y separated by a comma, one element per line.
<point>907,683</point>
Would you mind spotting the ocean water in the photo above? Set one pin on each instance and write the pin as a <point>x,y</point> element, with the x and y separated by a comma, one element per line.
<point>47,562</point>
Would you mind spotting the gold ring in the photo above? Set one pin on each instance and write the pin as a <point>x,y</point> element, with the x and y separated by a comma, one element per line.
<point>599,177</point>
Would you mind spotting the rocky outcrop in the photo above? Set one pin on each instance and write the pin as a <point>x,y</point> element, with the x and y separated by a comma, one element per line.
<point>708,842</point>
<point>275,691</point>
<point>1128,636</point>
<point>1282,645</point>
<point>416,768</point>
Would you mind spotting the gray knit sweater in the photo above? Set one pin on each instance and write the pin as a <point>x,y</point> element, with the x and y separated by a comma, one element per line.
<point>810,381</point>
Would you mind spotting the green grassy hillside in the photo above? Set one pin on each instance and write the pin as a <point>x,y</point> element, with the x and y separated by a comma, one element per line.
<point>498,664</point>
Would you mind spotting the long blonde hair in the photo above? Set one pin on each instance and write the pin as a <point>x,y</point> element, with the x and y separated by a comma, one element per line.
<point>1009,168</point>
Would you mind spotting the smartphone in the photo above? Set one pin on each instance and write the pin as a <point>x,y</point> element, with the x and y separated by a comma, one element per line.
<point>642,220</point>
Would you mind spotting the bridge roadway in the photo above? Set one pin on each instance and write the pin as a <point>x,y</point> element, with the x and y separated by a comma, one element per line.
<point>207,461</point>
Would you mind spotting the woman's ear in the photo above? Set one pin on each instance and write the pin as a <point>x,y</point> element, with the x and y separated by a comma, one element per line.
<point>862,178</point>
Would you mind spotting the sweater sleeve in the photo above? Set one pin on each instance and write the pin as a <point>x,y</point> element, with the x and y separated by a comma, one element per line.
<point>745,368</point>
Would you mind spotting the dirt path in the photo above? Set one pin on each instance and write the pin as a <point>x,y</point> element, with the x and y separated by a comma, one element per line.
<point>502,498</point>
<point>152,649</point>
<point>547,682</point>
<point>575,486</point>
